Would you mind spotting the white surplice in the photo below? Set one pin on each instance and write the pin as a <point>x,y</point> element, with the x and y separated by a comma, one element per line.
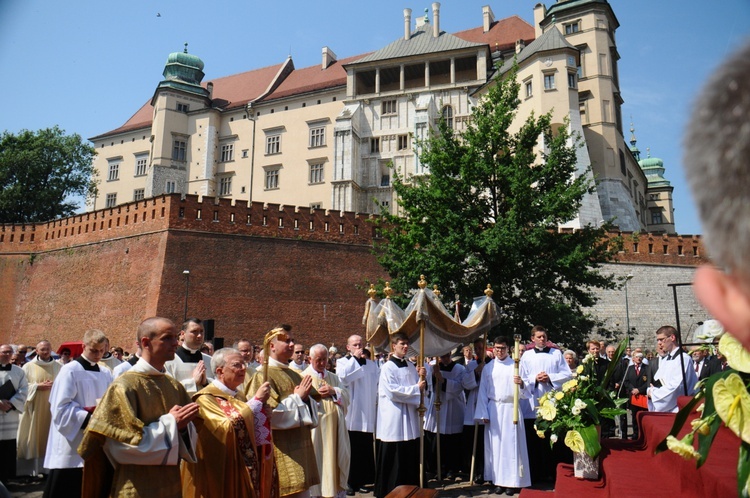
<point>533,362</point>
<point>183,371</point>
<point>74,389</point>
<point>506,459</point>
<point>398,399</point>
<point>452,401</point>
<point>664,398</point>
<point>9,419</point>
<point>362,383</point>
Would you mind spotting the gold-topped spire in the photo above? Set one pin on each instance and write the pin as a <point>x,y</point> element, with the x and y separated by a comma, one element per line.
<point>372,292</point>
<point>488,291</point>
<point>435,290</point>
<point>387,290</point>
<point>422,282</point>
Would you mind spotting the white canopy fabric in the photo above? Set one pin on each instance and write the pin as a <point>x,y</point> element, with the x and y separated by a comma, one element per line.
<point>442,333</point>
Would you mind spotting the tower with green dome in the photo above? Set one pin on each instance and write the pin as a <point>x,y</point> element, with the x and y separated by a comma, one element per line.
<point>180,103</point>
<point>658,190</point>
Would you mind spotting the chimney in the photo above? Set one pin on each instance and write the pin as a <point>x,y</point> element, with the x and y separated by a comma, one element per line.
<point>488,17</point>
<point>435,19</point>
<point>520,44</point>
<point>407,24</point>
<point>540,11</point>
<point>328,58</point>
<point>210,88</point>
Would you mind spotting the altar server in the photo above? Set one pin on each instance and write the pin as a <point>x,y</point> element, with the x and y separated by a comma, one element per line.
<point>13,390</point>
<point>668,383</point>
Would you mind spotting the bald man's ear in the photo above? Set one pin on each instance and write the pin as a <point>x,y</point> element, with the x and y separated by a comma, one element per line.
<point>727,299</point>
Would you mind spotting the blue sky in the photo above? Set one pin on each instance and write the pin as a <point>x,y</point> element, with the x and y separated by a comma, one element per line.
<point>88,65</point>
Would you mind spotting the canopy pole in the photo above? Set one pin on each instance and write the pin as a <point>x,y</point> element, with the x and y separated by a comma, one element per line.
<point>421,410</point>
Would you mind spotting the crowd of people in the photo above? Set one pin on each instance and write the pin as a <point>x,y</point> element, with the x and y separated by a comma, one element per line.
<point>175,418</point>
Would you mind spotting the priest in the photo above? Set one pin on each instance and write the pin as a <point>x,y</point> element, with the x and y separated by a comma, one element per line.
<point>330,438</point>
<point>294,413</point>
<point>505,454</point>
<point>142,427</point>
<point>190,366</point>
<point>227,452</point>
<point>397,459</point>
<point>36,418</point>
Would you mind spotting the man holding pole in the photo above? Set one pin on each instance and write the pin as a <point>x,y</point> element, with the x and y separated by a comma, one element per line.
<point>506,457</point>
<point>398,432</point>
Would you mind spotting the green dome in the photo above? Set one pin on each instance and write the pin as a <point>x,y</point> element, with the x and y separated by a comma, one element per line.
<point>184,67</point>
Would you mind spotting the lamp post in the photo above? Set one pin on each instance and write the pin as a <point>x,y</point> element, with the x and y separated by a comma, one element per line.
<point>187,291</point>
<point>627,309</point>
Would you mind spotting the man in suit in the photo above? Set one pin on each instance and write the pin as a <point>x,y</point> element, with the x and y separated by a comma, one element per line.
<point>637,380</point>
<point>701,362</point>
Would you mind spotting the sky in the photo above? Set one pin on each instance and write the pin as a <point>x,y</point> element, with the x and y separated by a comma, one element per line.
<point>88,65</point>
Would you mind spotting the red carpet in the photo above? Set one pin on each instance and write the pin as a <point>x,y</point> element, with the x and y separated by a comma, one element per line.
<point>630,468</point>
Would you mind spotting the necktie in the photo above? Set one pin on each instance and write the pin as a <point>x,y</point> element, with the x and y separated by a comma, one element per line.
<point>637,370</point>
<point>697,367</point>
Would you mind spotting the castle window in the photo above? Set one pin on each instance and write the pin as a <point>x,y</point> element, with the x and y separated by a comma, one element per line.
<point>170,187</point>
<point>447,114</point>
<point>114,171</point>
<point>141,162</point>
<point>388,107</point>
<point>139,194</point>
<point>227,152</point>
<point>572,80</point>
<point>111,200</point>
<point>272,178</point>
<point>273,144</point>
<point>179,147</point>
<point>573,27</point>
<point>183,107</point>
<point>656,218</point>
<point>403,142</point>
<point>318,136</point>
<point>316,173</point>
<point>225,185</point>
<point>529,89</point>
<point>549,81</point>
<point>374,145</point>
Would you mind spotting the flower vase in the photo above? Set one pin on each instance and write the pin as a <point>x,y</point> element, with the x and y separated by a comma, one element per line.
<point>585,467</point>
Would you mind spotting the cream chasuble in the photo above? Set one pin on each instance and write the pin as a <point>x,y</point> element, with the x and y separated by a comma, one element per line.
<point>33,428</point>
<point>330,438</point>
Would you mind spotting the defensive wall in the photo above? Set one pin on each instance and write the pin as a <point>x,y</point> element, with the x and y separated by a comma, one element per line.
<point>251,265</point>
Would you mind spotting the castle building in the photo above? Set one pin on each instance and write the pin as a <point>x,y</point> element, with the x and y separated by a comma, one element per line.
<point>330,136</point>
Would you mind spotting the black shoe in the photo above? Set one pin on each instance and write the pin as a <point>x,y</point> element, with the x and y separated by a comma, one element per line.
<point>350,491</point>
<point>449,475</point>
<point>362,491</point>
<point>478,480</point>
<point>499,490</point>
<point>512,491</point>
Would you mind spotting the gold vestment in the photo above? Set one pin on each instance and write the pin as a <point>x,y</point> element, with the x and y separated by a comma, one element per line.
<point>293,450</point>
<point>133,401</point>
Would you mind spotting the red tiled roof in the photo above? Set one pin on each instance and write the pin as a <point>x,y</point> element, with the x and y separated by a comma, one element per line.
<point>238,89</point>
<point>313,78</point>
<point>502,35</point>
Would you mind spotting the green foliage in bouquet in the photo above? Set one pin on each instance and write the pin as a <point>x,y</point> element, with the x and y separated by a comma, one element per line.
<point>724,398</point>
<point>574,411</point>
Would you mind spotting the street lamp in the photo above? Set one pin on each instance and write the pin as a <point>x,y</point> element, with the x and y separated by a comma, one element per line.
<point>627,309</point>
<point>187,291</point>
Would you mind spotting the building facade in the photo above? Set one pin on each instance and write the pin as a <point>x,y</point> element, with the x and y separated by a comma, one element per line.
<point>331,136</point>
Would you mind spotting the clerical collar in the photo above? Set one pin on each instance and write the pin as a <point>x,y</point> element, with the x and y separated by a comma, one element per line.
<point>39,360</point>
<point>189,355</point>
<point>276,363</point>
<point>223,388</point>
<point>321,375</point>
<point>87,364</point>
<point>192,351</point>
<point>362,361</point>
<point>448,367</point>
<point>134,359</point>
<point>6,367</point>
<point>144,367</point>
<point>400,362</point>
<point>543,350</point>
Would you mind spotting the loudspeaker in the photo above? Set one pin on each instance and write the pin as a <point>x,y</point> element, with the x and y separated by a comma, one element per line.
<point>208,330</point>
<point>218,343</point>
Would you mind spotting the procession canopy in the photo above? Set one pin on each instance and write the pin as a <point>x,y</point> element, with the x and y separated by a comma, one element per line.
<point>442,332</point>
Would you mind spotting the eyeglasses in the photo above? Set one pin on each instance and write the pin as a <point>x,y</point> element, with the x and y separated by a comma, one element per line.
<point>6,352</point>
<point>501,348</point>
<point>299,352</point>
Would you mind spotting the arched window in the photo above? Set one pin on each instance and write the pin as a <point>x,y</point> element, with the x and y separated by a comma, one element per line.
<point>448,116</point>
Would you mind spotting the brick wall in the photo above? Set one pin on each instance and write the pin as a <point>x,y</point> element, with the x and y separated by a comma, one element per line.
<point>251,266</point>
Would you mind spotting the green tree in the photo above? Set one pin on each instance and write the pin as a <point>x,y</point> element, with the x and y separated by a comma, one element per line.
<point>488,212</point>
<point>40,174</point>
